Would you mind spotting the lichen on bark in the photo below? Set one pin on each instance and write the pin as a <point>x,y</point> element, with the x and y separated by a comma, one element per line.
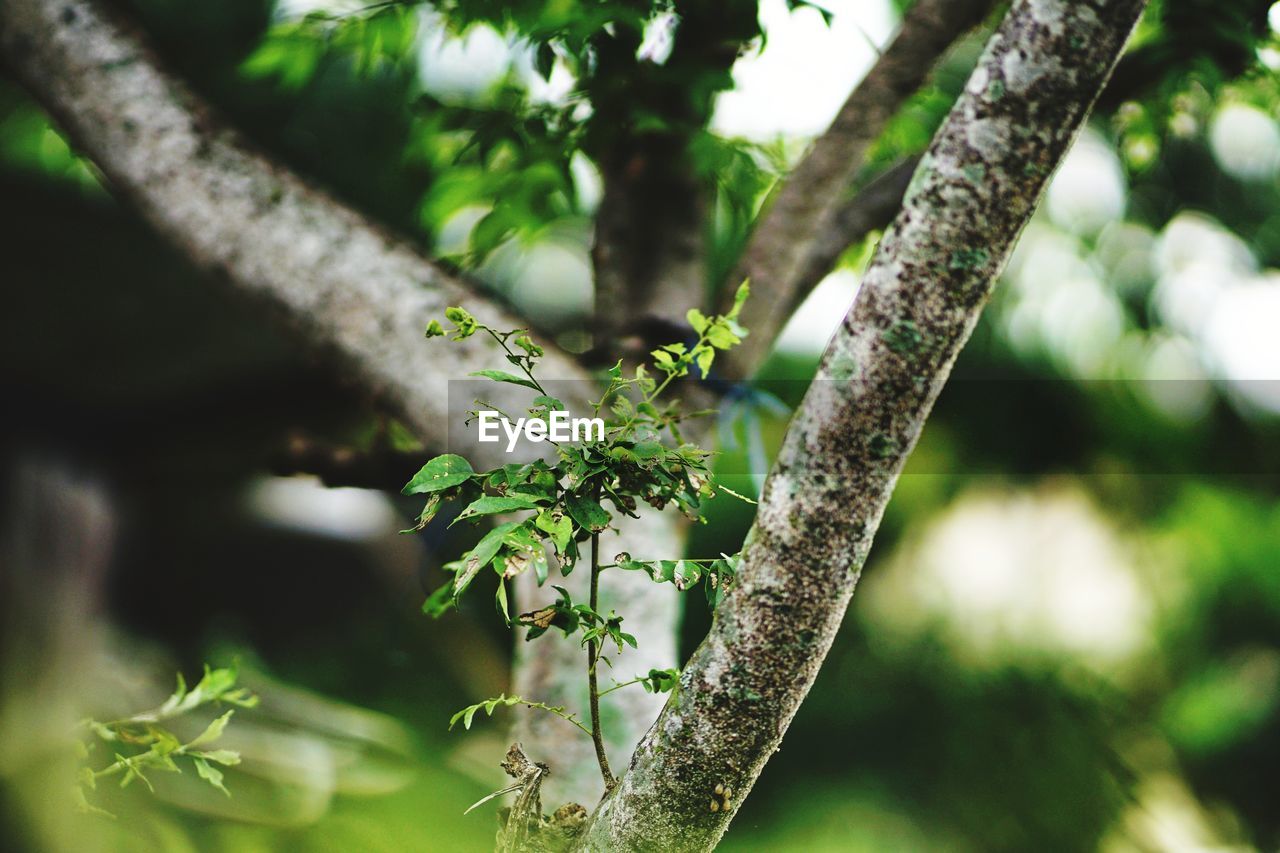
<point>845,447</point>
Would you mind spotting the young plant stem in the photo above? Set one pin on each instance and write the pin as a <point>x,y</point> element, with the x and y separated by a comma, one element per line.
<point>621,685</point>
<point>593,655</point>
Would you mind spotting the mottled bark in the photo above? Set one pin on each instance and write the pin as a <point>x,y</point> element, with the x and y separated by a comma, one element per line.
<point>776,253</point>
<point>972,194</point>
<point>344,285</point>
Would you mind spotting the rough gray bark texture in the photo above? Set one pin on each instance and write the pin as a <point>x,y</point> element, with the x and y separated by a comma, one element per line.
<point>972,194</point>
<point>348,288</point>
<point>777,251</point>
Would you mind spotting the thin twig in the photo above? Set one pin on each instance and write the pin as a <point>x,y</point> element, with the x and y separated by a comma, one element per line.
<point>593,655</point>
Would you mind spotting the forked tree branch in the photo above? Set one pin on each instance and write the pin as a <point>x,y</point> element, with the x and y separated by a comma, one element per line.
<point>972,194</point>
<point>775,255</point>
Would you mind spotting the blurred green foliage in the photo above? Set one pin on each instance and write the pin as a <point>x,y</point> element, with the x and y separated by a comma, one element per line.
<point>117,351</point>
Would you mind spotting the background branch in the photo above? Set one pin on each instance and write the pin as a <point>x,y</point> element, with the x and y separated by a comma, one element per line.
<point>872,208</point>
<point>973,193</point>
<point>349,288</point>
<point>776,256</point>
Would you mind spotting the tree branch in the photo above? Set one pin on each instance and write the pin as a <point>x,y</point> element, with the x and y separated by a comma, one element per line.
<point>348,287</point>
<point>973,193</point>
<point>776,253</point>
<point>345,286</point>
<point>872,208</point>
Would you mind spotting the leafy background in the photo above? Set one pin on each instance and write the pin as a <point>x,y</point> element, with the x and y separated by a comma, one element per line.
<point>1068,635</point>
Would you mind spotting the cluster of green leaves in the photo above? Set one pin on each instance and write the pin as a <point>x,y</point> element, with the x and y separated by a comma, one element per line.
<point>509,154</point>
<point>572,618</point>
<point>656,681</point>
<point>140,744</point>
<point>642,457</point>
<point>566,499</point>
<point>380,35</point>
<point>717,575</point>
<point>742,173</point>
<point>564,30</point>
<point>467,714</point>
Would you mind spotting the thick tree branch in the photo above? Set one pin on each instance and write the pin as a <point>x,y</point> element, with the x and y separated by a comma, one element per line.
<point>348,287</point>
<point>776,253</point>
<point>973,193</point>
<point>341,283</point>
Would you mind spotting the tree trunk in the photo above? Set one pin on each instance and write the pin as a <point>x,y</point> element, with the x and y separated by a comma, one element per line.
<point>972,194</point>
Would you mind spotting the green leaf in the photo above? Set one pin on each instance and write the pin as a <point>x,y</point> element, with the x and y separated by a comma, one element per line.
<point>214,683</point>
<point>527,551</point>
<point>648,450</point>
<point>503,376</point>
<point>439,602</point>
<point>210,774</point>
<point>550,403</point>
<point>228,757</point>
<point>480,556</point>
<point>443,472</point>
<point>170,704</point>
<point>434,329</point>
<point>467,325</point>
<point>624,561</point>
<point>428,512</point>
<point>621,407</point>
<point>661,680</point>
<point>500,602</point>
<point>739,298</point>
<point>721,336</point>
<point>588,513</point>
<point>526,343</point>
<point>665,570</point>
<point>493,228</point>
<point>697,320</point>
<point>213,731</point>
<point>493,505</point>
<point>165,742</point>
<point>704,356</point>
<point>557,525</point>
